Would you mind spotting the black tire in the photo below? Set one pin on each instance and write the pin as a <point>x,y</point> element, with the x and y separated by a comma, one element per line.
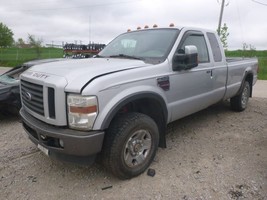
<point>239,102</point>
<point>130,145</point>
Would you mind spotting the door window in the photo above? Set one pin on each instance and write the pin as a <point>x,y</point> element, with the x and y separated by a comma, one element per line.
<point>200,42</point>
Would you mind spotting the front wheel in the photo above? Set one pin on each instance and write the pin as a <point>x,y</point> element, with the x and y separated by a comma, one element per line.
<point>130,145</point>
<point>239,102</point>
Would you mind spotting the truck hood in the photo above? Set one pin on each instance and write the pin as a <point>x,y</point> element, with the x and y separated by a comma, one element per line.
<point>80,72</point>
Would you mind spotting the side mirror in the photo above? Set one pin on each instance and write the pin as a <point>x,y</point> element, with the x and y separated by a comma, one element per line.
<point>185,59</point>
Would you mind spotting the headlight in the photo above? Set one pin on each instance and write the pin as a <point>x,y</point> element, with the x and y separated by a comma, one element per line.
<point>82,111</point>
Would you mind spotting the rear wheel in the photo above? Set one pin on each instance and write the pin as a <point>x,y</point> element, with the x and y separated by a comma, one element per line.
<point>239,102</point>
<point>130,145</point>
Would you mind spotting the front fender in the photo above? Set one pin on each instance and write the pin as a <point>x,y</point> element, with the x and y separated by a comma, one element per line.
<point>109,110</point>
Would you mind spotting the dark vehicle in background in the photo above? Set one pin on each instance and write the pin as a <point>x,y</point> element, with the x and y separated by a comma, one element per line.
<point>9,85</point>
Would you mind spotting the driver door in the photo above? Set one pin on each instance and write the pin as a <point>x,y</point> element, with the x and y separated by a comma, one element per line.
<point>191,89</point>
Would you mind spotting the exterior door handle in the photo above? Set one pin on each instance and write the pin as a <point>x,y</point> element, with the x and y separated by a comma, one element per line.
<point>209,72</point>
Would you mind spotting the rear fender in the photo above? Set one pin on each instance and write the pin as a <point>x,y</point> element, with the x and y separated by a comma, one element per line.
<point>247,77</point>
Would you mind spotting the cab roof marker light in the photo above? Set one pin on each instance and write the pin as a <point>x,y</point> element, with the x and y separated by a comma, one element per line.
<point>146,27</point>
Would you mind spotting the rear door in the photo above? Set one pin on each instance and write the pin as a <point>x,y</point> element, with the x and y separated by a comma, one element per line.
<point>219,69</point>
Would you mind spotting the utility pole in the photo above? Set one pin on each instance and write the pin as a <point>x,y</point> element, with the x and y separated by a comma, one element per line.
<point>89,28</point>
<point>221,15</point>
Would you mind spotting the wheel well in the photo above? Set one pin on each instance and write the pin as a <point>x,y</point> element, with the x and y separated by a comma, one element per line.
<point>150,107</point>
<point>249,78</point>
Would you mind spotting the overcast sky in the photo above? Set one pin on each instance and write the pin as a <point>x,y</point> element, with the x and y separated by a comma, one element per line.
<point>100,21</point>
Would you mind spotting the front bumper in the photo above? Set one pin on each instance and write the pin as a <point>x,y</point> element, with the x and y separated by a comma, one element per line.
<point>79,146</point>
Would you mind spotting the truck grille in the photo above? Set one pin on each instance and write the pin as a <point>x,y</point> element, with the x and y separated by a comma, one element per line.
<point>32,96</point>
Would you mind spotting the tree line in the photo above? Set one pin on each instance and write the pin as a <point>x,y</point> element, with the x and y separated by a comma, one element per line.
<point>7,40</point>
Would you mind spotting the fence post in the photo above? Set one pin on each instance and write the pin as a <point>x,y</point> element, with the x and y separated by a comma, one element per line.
<point>17,56</point>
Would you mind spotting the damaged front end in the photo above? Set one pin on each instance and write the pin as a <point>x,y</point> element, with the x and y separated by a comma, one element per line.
<point>9,89</point>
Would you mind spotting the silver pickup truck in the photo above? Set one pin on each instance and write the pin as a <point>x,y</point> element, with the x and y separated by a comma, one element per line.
<point>116,106</point>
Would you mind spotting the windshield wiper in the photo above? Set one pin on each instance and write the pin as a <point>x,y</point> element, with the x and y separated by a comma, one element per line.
<point>125,56</point>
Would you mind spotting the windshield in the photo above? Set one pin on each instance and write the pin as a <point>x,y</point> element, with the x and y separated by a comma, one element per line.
<point>152,45</point>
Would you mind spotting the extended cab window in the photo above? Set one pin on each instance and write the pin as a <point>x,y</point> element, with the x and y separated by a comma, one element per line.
<point>216,51</point>
<point>199,41</point>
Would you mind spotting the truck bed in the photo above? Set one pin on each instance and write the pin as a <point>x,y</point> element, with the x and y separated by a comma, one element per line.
<point>235,59</point>
<point>236,69</point>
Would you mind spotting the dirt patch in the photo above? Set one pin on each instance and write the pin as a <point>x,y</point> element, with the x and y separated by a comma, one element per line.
<point>213,154</point>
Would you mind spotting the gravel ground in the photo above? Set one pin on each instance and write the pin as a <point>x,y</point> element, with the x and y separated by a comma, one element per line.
<point>213,154</point>
<point>4,69</point>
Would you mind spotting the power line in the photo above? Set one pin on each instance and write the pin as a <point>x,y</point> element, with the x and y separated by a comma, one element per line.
<point>240,22</point>
<point>83,6</point>
<point>30,3</point>
<point>264,4</point>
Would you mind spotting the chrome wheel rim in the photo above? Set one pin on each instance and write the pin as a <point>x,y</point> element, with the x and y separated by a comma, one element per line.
<point>137,148</point>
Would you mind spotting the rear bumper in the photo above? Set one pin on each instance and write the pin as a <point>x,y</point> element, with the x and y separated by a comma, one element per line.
<point>61,142</point>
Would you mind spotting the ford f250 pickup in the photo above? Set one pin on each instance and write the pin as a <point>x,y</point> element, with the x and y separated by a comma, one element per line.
<point>116,105</point>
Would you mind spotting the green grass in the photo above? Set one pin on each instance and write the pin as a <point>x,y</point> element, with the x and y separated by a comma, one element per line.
<point>263,68</point>
<point>262,58</point>
<point>11,57</point>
